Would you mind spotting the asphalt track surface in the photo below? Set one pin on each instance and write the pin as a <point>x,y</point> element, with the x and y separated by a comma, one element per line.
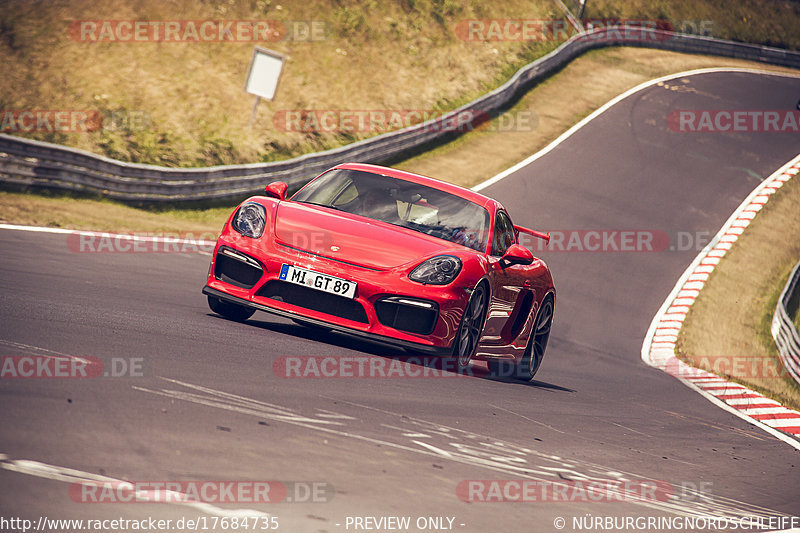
<point>400,447</point>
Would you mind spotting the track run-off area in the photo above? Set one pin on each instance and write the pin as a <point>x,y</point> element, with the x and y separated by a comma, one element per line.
<point>187,398</point>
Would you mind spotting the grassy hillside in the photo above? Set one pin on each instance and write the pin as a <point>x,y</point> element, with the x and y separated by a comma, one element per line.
<point>183,103</point>
<point>188,98</point>
<point>768,22</point>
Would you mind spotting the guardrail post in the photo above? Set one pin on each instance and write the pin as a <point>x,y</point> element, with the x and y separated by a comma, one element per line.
<point>783,330</point>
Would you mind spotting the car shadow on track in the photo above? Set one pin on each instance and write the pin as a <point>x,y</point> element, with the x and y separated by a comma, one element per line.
<point>323,335</point>
<point>533,383</point>
<point>399,362</point>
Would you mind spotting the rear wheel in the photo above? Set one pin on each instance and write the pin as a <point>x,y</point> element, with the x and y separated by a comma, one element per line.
<point>230,310</point>
<point>537,344</point>
<point>471,327</point>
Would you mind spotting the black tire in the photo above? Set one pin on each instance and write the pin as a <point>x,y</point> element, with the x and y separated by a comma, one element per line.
<point>230,310</point>
<point>471,328</point>
<point>537,343</point>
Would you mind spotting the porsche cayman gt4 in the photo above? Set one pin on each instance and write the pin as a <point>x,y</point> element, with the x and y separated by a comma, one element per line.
<point>393,256</point>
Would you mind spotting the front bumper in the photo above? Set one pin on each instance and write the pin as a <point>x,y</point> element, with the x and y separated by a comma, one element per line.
<point>408,345</point>
<point>376,308</point>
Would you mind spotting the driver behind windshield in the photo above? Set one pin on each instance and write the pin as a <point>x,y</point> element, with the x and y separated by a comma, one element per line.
<point>378,203</point>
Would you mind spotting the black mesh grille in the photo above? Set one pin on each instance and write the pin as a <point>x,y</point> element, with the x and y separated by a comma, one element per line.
<point>236,272</point>
<point>314,300</point>
<point>392,312</point>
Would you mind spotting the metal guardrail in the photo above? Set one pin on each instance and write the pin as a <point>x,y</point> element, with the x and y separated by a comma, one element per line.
<point>40,164</point>
<point>783,331</point>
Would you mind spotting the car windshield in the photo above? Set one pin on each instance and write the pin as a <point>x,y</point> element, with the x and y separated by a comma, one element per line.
<point>402,203</point>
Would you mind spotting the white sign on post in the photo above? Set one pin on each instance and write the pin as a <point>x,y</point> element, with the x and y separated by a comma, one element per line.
<point>263,75</point>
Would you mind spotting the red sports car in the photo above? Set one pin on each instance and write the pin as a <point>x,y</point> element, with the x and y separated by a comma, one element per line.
<point>392,256</point>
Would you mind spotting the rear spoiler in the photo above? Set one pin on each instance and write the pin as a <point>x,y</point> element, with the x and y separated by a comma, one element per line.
<point>539,234</point>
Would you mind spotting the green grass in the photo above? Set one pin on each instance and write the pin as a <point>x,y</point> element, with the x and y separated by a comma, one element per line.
<point>183,104</point>
<point>768,22</point>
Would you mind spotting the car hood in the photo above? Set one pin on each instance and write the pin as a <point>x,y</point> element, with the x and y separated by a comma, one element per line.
<point>350,238</point>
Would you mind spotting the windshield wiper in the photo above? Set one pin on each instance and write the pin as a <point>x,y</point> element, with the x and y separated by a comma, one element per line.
<point>319,204</point>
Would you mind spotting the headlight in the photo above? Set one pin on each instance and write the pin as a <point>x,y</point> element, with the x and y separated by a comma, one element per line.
<point>250,220</point>
<point>439,270</point>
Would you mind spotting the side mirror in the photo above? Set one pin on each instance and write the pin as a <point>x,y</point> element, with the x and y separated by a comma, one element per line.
<point>276,189</point>
<point>516,255</point>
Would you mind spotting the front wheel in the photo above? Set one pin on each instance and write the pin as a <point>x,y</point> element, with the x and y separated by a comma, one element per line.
<point>230,310</point>
<point>471,328</point>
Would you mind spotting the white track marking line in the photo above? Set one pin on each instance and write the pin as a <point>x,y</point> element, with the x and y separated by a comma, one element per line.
<point>672,302</point>
<point>720,506</point>
<point>766,411</point>
<point>751,401</point>
<point>47,353</point>
<point>120,236</point>
<point>69,475</point>
<point>663,355</point>
<point>301,421</point>
<point>602,109</point>
<point>782,422</point>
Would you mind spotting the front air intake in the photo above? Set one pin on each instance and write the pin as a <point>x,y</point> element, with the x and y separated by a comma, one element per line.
<point>314,300</point>
<point>236,268</point>
<point>407,314</point>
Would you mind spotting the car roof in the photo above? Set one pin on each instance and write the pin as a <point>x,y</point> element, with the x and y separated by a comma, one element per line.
<point>477,198</point>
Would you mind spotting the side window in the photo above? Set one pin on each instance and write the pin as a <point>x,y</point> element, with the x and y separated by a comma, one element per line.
<point>503,234</point>
<point>346,195</point>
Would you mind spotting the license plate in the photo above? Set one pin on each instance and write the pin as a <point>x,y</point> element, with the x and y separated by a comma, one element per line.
<point>319,281</point>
